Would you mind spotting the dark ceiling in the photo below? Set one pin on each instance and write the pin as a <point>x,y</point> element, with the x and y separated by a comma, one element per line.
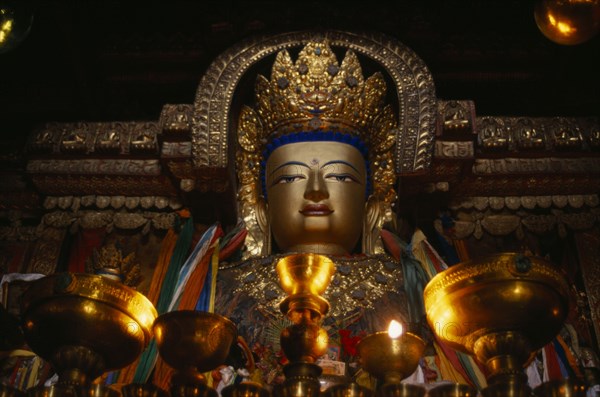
<point>123,60</point>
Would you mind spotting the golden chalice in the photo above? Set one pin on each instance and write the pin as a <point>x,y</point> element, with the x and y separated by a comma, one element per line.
<point>500,309</point>
<point>391,356</point>
<point>193,342</point>
<point>85,324</point>
<point>304,277</point>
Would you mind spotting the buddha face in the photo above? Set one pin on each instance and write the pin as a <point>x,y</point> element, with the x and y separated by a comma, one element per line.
<point>316,197</point>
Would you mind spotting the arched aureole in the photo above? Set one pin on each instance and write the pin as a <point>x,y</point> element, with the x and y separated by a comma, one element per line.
<point>412,81</point>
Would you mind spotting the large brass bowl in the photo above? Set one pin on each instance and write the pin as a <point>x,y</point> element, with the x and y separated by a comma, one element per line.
<point>85,324</point>
<point>501,308</point>
<point>193,342</point>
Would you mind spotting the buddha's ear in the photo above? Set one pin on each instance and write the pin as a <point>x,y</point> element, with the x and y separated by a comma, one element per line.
<point>375,215</point>
<point>262,218</point>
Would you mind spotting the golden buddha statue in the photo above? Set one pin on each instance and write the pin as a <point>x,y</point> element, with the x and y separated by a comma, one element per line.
<point>316,172</point>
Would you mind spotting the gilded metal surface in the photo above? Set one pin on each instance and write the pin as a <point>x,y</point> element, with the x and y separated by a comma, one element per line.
<point>244,389</point>
<point>305,273</point>
<point>453,390</point>
<point>143,390</point>
<point>413,82</point>
<point>85,322</point>
<point>315,92</point>
<point>358,282</point>
<point>193,340</point>
<point>561,388</point>
<point>390,359</point>
<point>401,390</point>
<point>348,390</point>
<point>502,293</point>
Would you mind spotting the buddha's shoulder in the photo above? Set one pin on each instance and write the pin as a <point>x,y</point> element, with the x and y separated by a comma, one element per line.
<point>381,264</point>
<point>358,280</point>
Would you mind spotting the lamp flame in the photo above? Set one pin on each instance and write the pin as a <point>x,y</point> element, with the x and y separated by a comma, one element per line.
<point>394,329</point>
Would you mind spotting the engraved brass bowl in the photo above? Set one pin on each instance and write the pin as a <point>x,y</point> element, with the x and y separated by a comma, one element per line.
<point>501,309</point>
<point>85,324</point>
<point>193,342</point>
<point>390,359</point>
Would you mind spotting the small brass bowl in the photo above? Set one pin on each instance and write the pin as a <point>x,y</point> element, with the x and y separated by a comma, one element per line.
<point>192,339</point>
<point>390,359</point>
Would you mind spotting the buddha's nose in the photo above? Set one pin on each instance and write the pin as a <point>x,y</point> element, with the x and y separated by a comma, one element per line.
<point>316,189</point>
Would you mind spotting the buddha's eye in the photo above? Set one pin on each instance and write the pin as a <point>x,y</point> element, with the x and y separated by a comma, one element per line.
<point>341,178</point>
<point>288,179</point>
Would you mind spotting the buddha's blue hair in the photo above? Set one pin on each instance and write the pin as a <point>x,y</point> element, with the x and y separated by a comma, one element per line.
<point>315,136</point>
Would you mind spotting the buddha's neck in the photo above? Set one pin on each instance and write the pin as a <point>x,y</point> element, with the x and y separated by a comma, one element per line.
<point>320,248</point>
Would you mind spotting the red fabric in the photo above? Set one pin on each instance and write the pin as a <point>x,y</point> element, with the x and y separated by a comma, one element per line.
<point>84,244</point>
<point>453,358</point>
<point>15,255</point>
<point>233,245</point>
<point>552,364</point>
<point>392,246</point>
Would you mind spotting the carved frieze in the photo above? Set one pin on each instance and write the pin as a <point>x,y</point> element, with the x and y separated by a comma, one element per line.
<point>525,202</point>
<point>114,202</point>
<point>114,185</point>
<point>109,219</point>
<point>80,138</point>
<point>496,133</point>
<point>546,165</point>
<point>45,254</point>
<point>500,216</point>
<point>456,116</point>
<point>176,121</point>
<point>95,166</point>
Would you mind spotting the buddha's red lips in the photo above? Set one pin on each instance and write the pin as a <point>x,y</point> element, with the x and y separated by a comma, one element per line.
<point>316,210</point>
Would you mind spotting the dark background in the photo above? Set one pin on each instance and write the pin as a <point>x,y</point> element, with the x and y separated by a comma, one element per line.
<point>123,60</point>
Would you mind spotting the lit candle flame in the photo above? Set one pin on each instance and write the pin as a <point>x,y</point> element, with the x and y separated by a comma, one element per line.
<point>395,329</point>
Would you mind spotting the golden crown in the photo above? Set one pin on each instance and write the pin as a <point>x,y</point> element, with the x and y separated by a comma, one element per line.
<point>315,93</point>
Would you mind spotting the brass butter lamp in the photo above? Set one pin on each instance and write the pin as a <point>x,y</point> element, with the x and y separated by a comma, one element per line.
<point>193,342</point>
<point>390,356</point>
<point>85,325</point>
<point>304,277</point>
<point>501,309</point>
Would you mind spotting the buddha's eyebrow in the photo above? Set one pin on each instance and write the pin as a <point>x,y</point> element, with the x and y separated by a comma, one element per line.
<point>340,162</point>
<point>290,163</point>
